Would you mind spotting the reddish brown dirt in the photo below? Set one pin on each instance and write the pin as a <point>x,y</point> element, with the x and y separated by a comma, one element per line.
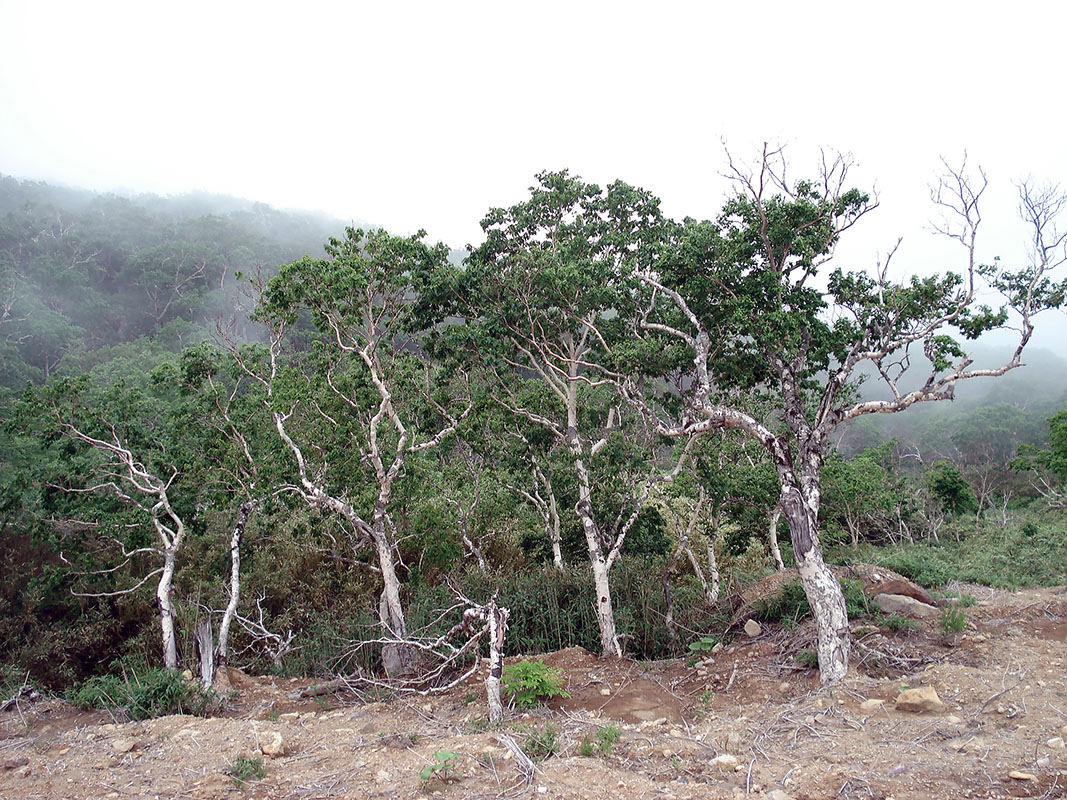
<point>1002,682</point>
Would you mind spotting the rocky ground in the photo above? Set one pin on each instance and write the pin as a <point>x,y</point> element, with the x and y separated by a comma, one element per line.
<point>745,721</point>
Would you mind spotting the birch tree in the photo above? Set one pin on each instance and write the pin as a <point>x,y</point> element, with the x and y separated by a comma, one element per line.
<point>549,292</point>
<point>742,293</point>
<point>354,400</point>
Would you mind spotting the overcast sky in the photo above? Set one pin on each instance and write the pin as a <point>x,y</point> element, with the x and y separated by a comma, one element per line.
<point>427,114</point>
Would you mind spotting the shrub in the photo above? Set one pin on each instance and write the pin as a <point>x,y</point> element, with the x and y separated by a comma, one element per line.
<point>244,769</point>
<point>542,743</point>
<point>953,620</point>
<point>533,682</point>
<point>153,693</point>
<point>602,743</point>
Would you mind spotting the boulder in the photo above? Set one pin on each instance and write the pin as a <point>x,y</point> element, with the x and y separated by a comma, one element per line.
<point>274,745</point>
<point>902,587</point>
<point>904,606</point>
<point>753,629</point>
<point>923,698</point>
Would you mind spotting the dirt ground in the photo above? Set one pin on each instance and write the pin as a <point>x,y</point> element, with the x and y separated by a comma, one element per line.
<point>746,720</point>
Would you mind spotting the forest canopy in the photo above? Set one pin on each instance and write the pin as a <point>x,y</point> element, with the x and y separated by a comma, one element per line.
<point>223,438</point>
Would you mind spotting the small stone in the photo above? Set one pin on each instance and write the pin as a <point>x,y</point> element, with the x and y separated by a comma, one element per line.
<point>923,698</point>
<point>783,686</point>
<point>725,761</point>
<point>718,649</point>
<point>187,675</point>
<point>778,794</point>
<point>952,719</point>
<point>871,705</point>
<point>605,692</point>
<point>1022,776</point>
<point>274,746</point>
<point>753,629</point>
<point>1043,762</point>
<point>1056,742</point>
<point>659,721</point>
<point>16,762</point>
<point>382,776</point>
<point>123,745</point>
<point>290,716</point>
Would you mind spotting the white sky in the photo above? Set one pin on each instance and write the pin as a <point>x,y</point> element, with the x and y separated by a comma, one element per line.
<point>417,115</point>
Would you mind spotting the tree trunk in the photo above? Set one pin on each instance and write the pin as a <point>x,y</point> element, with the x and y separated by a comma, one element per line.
<point>711,594</point>
<point>605,614</point>
<point>772,537</point>
<point>554,534</point>
<point>497,618</point>
<point>165,602</point>
<point>206,651</point>
<point>235,584</point>
<point>821,587</point>
<point>398,658</point>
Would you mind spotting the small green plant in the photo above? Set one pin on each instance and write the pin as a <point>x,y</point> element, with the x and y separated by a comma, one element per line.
<point>808,659</point>
<point>274,715</point>
<point>897,623</point>
<point>243,769</point>
<point>444,766</point>
<point>953,620</point>
<point>601,743</point>
<point>703,644</point>
<point>533,682</point>
<point>542,743</point>
<point>153,693</point>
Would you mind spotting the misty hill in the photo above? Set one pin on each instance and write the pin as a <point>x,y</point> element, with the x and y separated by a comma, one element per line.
<point>82,271</point>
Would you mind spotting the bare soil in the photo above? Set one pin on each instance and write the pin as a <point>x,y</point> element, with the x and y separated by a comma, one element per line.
<point>1000,733</point>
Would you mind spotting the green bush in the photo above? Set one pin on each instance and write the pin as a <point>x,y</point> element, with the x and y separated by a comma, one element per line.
<point>541,743</point>
<point>244,769</point>
<point>601,743</point>
<point>154,693</point>
<point>533,682</point>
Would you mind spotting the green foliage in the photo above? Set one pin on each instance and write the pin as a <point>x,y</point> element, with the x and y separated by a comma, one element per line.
<point>154,693</point>
<point>530,683</point>
<point>445,766</point>
<point>953,620</point>
<point>541,743</point>
<point>951,489</point>
<point>920,563</point>
<point>244,769</point>
<point>897,623</point>
<point>809,659</point>
<point>787,607</point>
<point>601,742</point>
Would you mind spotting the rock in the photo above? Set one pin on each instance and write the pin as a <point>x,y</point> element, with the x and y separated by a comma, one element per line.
<point>871,705</point>
<point>725,761</point>
<point>274,746</point>
<point>605,692</point>
<point>777,794</point>
<point>904,588</point>
<point>733,740</point>
<point>382,776</point>
<point>753,629</point>
<point>123,745</point>
<point>904,606</point>
<point>1022,776</point>
<point>718,649</point>
<point>1056,742</point>
<point>16,762</point>
<point>924,698</point>
<point>187,676</point>
<point>783,687</point>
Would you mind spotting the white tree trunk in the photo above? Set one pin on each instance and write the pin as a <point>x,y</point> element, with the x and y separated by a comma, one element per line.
<point>398,658</point>
<point>498,624</point>
<point>166,610</point>
<point>235,585</point>
<point>712,593</point>
<point>821,587</point>
<point>772,537</point>
<point>554,535</point>
<point>605,614</point>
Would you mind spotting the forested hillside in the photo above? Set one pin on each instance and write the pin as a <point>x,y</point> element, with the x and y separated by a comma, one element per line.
<point>224,444</point>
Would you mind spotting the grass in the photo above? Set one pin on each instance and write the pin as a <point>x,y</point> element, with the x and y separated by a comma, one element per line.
<point>152,693</point>
<point>601,743</point>
<point>243,769</point>
<point>541,743</point>
<point>1027,552</point>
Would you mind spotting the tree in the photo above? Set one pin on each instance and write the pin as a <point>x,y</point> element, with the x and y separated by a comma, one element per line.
<point>741,292</point>
<point>355,403</point>
<point>548,294</point>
